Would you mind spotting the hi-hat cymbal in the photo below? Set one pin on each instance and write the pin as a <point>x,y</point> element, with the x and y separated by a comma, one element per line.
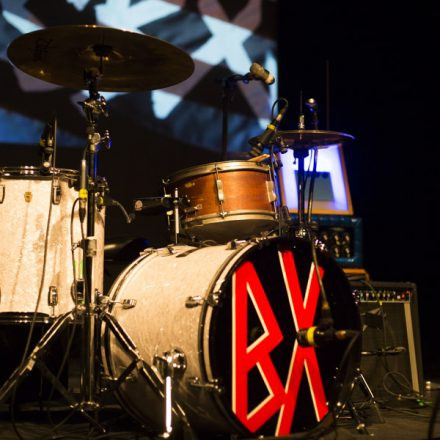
<point>128,61</point>
<point>297,139</point>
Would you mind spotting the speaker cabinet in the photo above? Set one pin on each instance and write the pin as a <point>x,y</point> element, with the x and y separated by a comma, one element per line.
<point>391,353</point>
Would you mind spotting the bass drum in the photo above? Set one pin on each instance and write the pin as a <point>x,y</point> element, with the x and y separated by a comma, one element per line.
<point>234,311</point>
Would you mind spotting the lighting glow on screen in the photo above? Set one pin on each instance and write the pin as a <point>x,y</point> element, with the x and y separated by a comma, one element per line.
<point>332,195</point>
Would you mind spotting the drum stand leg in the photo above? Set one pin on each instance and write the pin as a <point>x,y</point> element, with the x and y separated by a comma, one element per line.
<point>360,380</point>
<point>35,359</point>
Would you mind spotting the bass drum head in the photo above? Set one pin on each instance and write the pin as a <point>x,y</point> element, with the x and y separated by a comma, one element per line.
<point>270,384</point>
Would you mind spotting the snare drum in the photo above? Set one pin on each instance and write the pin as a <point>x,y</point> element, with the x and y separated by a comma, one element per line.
<point>228,200</point>
<point>25,196</point>
<point>233,314</point>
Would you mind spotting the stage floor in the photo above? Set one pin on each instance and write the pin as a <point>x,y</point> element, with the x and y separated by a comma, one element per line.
<point>404,422</point>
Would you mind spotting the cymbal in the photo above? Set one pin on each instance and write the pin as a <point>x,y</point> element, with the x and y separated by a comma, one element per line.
<point>127,61</point>
<point>297,139</point>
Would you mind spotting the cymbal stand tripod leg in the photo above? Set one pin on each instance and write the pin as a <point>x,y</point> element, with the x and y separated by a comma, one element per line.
<point>22,371</point>
<point>360,381</point>
<point>35,360</point>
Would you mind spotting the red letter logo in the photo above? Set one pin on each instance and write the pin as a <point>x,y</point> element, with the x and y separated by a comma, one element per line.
<point>280,397</point>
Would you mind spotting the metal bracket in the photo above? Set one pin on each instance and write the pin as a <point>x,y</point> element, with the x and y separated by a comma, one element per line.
<point>91,246</point>
<point>212,385</point>
<point>56,193</point>
<point>195,301</point>
<point>172,366</point>
<point>270,188</point>
<point>52,298</point>
<point>220,192</point>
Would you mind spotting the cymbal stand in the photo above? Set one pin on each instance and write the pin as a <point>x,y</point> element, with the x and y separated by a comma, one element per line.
<point>93,107</point>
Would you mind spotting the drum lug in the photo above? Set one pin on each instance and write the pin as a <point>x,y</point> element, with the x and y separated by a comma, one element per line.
<point>220,192</point>
<point>52,298</point>
<point>194,301</point>
<point>56,193</point>
<point>271,191</point>
<point>128,303</point>
<point>211,385</point>
<point>197,300</point>
<point>147,252</point>
<point>236,244</point>
<point>2,193</point>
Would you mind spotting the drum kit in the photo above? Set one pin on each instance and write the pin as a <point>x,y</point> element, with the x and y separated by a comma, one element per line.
<point>211,334</point>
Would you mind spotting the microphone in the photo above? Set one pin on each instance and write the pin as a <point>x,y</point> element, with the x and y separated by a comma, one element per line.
<point>82,191</point>
<point>316,337</point>
<point>46,144</point>
<point>265,138</point>
<point>259,72</point>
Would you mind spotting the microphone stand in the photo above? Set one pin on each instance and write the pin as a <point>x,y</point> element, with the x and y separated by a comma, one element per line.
<point>229,85</point>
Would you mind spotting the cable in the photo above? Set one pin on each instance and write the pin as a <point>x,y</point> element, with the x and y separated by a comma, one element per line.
<point>43,276</point>
<point>433,417</point>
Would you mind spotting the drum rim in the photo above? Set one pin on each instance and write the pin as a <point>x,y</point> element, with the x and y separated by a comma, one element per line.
<point>239,215</point>
<point>32,171</point>
<point>210,168</point>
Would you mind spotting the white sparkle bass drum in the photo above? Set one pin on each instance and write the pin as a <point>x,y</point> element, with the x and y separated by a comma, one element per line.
<point>232,312</point>
<point>27,195</point>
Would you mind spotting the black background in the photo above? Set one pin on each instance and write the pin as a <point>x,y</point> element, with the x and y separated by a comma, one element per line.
<point>384,90</point>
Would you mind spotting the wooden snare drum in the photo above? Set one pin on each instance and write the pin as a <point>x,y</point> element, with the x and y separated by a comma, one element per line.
<point>228,200</point>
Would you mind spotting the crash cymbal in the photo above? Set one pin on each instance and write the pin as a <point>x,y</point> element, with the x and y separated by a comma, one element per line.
<point>313,138</point>
<point>128,61</point>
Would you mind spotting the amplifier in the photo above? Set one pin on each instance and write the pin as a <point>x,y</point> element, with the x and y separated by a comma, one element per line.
<point>391,352</point>
<point>342,236</point>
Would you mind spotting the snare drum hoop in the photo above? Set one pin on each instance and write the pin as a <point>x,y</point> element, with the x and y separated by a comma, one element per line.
<point>33,172</point>
<point>241,215</point>
<point>217,286</point>
<point>214,167</point>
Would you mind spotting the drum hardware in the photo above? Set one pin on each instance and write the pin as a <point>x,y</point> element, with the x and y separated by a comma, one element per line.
<point>213,299</point>
<point>360,381</point>
<point>212,385</point>
<point>52,298</point>
<point>2,193</point>
<point>104,301</point>
<point>237,244</point>
<point>220,192</point>
<point>28,196</point>
<point>56,192</point>
<point>172,366</point>
<point>194,301</point>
